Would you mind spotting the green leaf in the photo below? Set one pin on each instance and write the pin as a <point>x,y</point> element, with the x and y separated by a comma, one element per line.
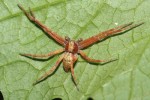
<point>128,78</point>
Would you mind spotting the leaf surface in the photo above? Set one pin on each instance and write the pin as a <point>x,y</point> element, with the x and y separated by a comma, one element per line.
<point>128,78</point>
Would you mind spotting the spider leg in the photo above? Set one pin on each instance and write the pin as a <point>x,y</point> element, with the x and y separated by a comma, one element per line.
<point>50,71</point>
<point>32,18</point>
<point>84,56</point>
<point>73,76</point>
<point>120,29</point>
<point>44,55</point>
<point>30,15</point>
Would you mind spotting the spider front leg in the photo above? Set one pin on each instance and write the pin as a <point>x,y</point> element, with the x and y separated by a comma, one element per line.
<point>50,71</point>
<point>45,55</point>
<point>103,35</point>
<point>84,56</point>
<point>30,15</point>
<point>32,18</point>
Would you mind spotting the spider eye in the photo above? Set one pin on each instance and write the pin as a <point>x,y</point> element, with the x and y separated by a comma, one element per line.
<point>79,40</point>
<point>67,38</point>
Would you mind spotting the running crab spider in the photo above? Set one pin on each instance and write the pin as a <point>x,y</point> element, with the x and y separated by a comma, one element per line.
<point>71,47</point>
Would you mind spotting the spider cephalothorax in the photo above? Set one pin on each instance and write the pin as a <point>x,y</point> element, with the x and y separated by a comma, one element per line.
<point>72,48</point>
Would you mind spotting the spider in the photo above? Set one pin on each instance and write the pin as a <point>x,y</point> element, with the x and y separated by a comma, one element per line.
<point>72,48</point>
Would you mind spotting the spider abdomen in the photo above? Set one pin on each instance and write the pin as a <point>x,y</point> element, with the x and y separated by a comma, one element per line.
<point>68,61</point>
